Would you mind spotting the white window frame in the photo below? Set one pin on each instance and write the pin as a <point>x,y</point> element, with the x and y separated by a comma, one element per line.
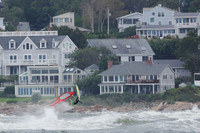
<point>12,42</point>
<point>13,60</point>
<point>29,45</point>
<point>42,60</point>
<point>45,43</point>
<point>27,57</point>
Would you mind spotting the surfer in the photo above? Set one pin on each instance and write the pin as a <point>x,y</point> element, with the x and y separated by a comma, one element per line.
<point>73,103</point>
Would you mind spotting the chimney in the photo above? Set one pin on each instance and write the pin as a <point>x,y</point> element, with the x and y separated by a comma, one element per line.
<point>110,63</point>
<point>149,61</point>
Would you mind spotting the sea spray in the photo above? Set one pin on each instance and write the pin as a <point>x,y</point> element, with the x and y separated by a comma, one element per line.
<point>52,119</point>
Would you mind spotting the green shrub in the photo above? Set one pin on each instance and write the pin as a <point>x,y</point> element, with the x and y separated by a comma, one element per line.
<point>36,97</point>
<point>11,101</point>
<point>9,90</point>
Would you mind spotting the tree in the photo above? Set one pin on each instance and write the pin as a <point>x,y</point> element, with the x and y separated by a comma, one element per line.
<point>187,50</point>
<point>89,85</point>
<point>83,58</point>
<point>164,49</point>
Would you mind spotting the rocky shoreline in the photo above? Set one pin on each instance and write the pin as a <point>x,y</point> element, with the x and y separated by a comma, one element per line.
<point>29,108</point>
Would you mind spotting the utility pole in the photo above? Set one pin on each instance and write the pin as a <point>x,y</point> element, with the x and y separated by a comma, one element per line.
<point>108,16</point>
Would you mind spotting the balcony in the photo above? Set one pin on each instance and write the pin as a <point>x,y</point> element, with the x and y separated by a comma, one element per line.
<point>141,81</point>
<point>30,62</point>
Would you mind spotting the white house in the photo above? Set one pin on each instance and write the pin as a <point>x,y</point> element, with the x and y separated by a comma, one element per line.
<point>129,20</point>
<point>137,78</point>
<point>160,22</point>
<point>66,19</point>
<point>156,22</point>
<point>48,80</point>
<point>186,22</point>
<point>2,26</point>
<point>43,48</point>
<point>127,50</point>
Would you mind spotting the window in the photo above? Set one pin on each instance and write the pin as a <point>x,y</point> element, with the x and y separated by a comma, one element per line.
<point>42,58</point>
<point>144,58</point>
<point>159,14</point>
<point>170,22</point>
<point>163,14</point>
<point>43,43</point>
<point>13,58</point>
<point>180,20</point>
<point>71,20</point>
<point>105,78</point>
<point>121,78</point>
<point>116,78</point>
<point>27,57</point>
<point>127,21</point>
<point>66,20</point>
<point>12,45</point>
<point>177,20</point>
<point>111,78</point>
<point>144,23</point>
<point>151,19</point>
<point>153,13</point>
<point>164,76</point>
<point>27,46</point>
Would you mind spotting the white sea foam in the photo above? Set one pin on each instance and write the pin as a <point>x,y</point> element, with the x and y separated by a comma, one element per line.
<point>177,121</point>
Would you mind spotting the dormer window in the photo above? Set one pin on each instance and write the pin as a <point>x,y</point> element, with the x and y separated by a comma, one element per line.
<point>43,43</point>
<point>12,44</point>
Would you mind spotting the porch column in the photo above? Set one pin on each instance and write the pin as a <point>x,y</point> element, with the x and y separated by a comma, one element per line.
<point>122,89</point>
<point>153,89</point>
<point>100,89</point>
<point>138,89</point>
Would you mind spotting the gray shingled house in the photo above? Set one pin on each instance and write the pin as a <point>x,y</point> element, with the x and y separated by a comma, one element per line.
<point>127,50</point>
<point>137,78</point>
<point>177,66</point>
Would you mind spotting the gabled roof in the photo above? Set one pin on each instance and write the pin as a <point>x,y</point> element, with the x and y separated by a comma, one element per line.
<point>92,67</point>
<point>172,63</point>
<point>131,14</point>
<point>62,15</point>
<point>4,41</point>
<point>123,46</point>
<point>135,68</point>
<point>186,14</point>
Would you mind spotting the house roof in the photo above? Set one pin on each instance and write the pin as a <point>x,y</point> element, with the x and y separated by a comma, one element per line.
<point>172,63</point>
<point>135,68</point>
<point>156,27</point>
<point>4,41</point>
<point>186,14</point>
<point>123,46</point>
<point>92,67</point>
<point>131,14</point>
<point>62,15</point>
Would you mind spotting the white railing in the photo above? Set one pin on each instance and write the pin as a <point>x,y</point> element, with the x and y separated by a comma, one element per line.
<point>30,33</point>
<point>31,62</point>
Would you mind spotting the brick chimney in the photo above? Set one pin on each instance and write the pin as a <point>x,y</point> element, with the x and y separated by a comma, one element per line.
<point>149,61</point>
<point>110,63</point>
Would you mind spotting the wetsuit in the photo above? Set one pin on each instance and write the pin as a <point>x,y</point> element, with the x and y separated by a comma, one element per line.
<point>77,100</point>
<point>73,103</point>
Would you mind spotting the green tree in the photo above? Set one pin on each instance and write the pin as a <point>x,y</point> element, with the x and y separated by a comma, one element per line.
<point>89,85</point>
<point>187,50</point>
<point>83,58</point>
<point>164,49</point>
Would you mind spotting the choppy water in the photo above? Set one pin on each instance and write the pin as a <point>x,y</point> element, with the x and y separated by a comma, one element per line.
<point>104,122</point>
